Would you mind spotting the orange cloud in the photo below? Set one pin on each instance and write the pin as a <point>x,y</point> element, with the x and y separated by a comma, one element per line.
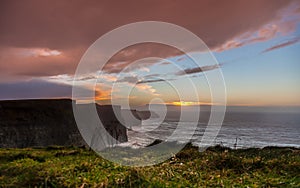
<point>146,88</point>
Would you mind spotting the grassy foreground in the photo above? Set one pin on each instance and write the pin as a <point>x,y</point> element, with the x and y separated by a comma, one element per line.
<point>216,167</point>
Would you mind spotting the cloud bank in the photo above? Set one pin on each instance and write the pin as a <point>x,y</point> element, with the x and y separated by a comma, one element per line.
<point>57,34</point>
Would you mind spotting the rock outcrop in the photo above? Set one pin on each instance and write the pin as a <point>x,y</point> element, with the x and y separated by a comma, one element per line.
<point>29,123</point>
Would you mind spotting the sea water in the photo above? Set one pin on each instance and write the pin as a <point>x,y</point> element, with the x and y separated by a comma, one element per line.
<point>240,129</point>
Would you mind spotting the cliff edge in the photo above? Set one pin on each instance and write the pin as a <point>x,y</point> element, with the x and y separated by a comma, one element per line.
<point>45,122</point>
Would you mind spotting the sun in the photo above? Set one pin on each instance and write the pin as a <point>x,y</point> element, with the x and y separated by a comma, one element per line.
<point>184,103</point>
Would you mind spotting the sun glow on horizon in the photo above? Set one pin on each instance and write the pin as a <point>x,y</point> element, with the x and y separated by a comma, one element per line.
<point>185,103</point>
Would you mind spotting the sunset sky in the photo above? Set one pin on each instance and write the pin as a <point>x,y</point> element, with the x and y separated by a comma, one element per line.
<point>257,45</point>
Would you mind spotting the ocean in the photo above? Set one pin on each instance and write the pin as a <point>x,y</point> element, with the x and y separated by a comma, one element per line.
<point>240,129</point>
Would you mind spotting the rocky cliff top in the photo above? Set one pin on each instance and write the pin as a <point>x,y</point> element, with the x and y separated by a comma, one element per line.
<point>44,122</point>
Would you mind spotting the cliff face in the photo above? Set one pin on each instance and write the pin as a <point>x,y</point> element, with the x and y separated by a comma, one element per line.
<point>28,123</point>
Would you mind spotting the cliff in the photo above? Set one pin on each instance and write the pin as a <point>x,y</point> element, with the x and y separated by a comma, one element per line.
<point>28,123</point>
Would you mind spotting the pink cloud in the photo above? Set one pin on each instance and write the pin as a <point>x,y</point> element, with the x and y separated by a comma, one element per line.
<point>44,52</point>
<point>25,63</point>
<point>60,32</point>
<point>284,24</point>
<point>125,57</point>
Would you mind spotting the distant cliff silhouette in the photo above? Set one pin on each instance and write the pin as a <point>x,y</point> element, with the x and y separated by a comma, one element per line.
<point>29,123</point>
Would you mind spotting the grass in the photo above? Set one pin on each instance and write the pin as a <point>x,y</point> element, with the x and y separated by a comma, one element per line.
<point>216,167</point>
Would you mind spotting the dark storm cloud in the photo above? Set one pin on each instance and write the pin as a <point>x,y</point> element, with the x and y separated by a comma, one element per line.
<point>282,45</point>
<point>35,89</point>
<point>198,69</point>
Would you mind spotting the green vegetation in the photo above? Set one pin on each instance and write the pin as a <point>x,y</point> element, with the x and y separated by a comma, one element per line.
<point>216,167</point>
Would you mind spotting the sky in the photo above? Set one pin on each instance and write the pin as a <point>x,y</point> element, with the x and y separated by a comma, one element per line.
<point>256,45</point>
